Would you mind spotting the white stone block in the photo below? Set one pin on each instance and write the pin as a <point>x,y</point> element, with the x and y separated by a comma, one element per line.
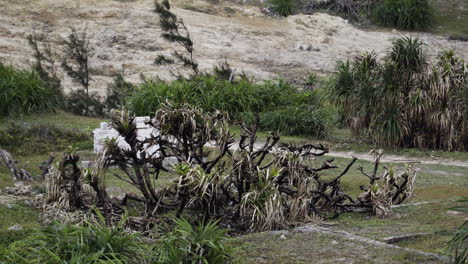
<point>106,132</point>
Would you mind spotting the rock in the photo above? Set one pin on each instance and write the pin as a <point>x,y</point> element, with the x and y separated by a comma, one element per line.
<point>19,184</point>
<point>87,164</point>
<point>283,237</point>
<point>22,190</point>
<point>116,193</point>
<point>15,228</point>
<point>455,213</point>
<point>279,232</point>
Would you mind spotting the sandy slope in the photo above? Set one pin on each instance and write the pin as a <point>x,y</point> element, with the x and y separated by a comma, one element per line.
<point>127,33</point>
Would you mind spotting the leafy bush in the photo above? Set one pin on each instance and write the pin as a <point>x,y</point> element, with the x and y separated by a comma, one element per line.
<point>94,242</point>
<point>282,7</point>
<point>297,120</point>
<point>24,92</point>
<point>405,101</point>
<point>239,99</point>
<point>404,14</point>
<point>189,244</point>
<point>38,138</point>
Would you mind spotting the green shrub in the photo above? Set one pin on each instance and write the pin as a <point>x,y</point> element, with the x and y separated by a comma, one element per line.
<point>94,242</point>
<point>194,244</point>
<point>282,7</point>
<point>24,92</point>
<point>24,138</point>
<point>297,120</point>
<point>239,99</point>
<point>408,53</point>
<point>404,14</point>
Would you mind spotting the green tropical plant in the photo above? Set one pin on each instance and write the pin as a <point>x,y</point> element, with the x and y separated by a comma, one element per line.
<point>203,243</point>
<point>24,92</point>
<point>405,101</point>
<point>93,242</point>
<point>404,14</point>
<point>282,7</point>
<point>458,245</point>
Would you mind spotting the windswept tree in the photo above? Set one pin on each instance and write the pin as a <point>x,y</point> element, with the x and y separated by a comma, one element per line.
<point>175,31</point>
<point>75,63</point>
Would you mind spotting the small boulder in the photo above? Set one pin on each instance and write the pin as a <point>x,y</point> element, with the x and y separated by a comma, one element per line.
<point>15,228</point>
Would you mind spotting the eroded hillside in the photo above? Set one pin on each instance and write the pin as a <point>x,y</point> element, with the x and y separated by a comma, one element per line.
<point>126,34</point>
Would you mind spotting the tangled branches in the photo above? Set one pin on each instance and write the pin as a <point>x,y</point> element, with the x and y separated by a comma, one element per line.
<point>252,186</point>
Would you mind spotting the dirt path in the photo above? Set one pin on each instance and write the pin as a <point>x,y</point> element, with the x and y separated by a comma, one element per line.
<point>127,33</point>
<point>389,158</point>
<point>386,158</point>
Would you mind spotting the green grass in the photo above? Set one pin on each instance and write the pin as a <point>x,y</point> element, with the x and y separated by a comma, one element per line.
<point>425,218</point>
<point>451,17</point>
<point>304,248</point>
<point>59,118</point>
<point>16,213</point>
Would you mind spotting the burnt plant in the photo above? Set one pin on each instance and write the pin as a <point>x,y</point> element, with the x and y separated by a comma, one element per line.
<point>175,31</point>
<point>253,186</point>
<point>183,133</point>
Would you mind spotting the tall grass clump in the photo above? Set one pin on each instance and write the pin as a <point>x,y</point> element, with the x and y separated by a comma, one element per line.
<point>405,101</point>
<point>24,92</point>
<point>404,14</point>
<point>279,104</point>
<point>93,242</point>
<point>282,7</point>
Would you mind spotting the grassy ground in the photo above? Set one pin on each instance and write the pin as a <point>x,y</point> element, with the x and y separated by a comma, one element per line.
<point>302,248</point>
<point>451,17</point>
